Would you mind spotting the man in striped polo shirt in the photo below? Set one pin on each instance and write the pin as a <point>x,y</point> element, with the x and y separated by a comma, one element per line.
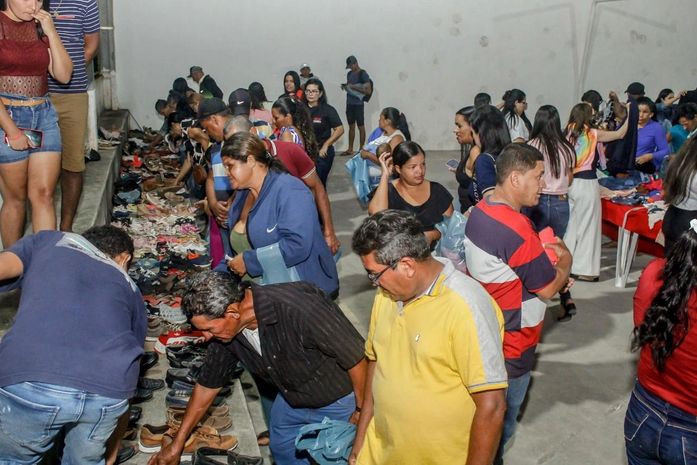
<point>505,254</point>
<point>77,23</point>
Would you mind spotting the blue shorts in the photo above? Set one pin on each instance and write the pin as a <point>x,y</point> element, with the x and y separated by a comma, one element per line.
<point>42,117</point>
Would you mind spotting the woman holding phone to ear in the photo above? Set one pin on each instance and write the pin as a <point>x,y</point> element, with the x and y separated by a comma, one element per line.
<point>30,143</point>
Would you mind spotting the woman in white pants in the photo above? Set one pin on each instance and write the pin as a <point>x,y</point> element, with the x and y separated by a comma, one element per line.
<point>583,232</point>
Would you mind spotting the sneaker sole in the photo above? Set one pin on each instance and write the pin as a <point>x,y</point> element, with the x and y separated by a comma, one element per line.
<point>188,455</point>
<point>148,449</point>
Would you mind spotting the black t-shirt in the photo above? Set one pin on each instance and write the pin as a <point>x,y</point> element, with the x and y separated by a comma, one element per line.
<point>324,119</point>
<point>428,213</point>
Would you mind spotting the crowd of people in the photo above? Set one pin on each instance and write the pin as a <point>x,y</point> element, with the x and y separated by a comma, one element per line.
<point>528,191</point>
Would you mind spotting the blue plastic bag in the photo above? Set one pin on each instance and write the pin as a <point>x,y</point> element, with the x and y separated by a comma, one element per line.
<point>275,269</point>
<point>358,169</point>
<point>452,240</point>
<point>328,443</point>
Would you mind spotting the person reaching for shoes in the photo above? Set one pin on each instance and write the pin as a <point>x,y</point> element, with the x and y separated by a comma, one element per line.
<point>311,353</point>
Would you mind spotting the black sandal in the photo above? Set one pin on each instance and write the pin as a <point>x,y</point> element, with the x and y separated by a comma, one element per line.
<point>568,306</point>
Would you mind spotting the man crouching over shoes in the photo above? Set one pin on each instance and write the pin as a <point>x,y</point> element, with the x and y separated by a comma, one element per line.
<point>290,334</point>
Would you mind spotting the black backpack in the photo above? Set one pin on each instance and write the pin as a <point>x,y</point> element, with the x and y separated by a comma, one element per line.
<point>366,97</point>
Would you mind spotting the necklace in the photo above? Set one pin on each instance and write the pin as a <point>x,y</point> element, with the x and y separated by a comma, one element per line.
<point>56,11</point>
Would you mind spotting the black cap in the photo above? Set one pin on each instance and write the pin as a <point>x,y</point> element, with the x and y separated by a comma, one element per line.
<point>351,61</point>
<point>211,106</point>
<point>635,88</point>
<point>240,102</point>
<point>193,69</point>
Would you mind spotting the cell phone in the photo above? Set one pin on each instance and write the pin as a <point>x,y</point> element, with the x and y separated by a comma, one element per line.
<point>452,164</point>
<point>547,237</point>
<point>34,135</point>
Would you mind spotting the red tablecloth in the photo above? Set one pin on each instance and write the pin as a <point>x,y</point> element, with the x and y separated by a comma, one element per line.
<point>637,222</point>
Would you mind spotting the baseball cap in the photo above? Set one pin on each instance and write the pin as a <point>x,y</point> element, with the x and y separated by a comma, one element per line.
<point>193,69</point>
<point>351,60</point>
<point>635,88</point>
<point>304,65</point>
<point>240,102</point>
<point>211,106</point>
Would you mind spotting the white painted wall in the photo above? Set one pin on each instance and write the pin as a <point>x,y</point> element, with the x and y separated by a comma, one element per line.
<point>427,58</point>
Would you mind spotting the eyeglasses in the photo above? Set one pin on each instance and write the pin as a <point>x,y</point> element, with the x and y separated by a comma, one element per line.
<point>375,277</point>
<point>312,91</point>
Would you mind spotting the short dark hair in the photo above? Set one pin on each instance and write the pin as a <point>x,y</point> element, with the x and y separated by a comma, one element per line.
<point>516,157</point>
<point>391,234</point>
<point>160,105</point>
<point>209,293</point>
<point>649,103</point>
<point>110,240</point>
<point>481,99</point>
<point>687,110</point>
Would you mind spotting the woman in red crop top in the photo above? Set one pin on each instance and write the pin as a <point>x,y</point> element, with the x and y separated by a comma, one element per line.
<point>30,49</point>
<point>661,422</point>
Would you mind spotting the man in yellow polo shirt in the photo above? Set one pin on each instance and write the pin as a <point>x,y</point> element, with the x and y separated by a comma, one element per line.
<point>435,389</point>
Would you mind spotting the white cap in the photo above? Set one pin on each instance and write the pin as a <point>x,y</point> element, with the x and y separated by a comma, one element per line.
<point>304,65</point>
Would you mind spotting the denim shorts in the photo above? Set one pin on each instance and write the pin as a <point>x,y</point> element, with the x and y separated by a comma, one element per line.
<point>42,117</point>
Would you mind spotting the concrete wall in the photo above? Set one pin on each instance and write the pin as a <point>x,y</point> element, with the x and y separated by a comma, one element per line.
<point>427,58</point>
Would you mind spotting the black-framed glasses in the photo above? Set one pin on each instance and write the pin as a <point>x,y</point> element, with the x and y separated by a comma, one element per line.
<point>375,277</point>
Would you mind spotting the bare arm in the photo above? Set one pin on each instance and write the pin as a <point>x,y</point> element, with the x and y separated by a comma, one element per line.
<point>60,66</point>
<point>368,155</point>
<point>486,426</point>
<point>10,266</point>
<point>366,413</point>
<point>201,400</point>
<point>323,207</point>
<point>337,132</point>
<point>91,46</point>
<point>609,136</point>
<point>379,201</point>
<point>358,375</point>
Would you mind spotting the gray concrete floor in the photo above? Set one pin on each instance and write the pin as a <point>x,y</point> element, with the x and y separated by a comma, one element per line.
<point>576,403</point>
<point>575,407</point>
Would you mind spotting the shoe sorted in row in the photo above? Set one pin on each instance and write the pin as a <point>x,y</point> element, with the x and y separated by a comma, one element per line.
<point>202,436</point>
<point>177,338</point>
<point>214,456</point>
<point>218,423</point>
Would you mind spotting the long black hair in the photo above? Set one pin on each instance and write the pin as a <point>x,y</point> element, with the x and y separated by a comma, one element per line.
<point>663,94</point>
<point>547,129</point>
<point>301,120</point>
<point>510,98</point>
<point>316,82</point>
<point>244,144</point>
<point>257,96</point>
<point>681,170</point>
<point>405,151</point>
<point>667,321</point>
<point>296,80</point>
<point>466,113</point>
<point>397,120</point>
<point>489,124</point>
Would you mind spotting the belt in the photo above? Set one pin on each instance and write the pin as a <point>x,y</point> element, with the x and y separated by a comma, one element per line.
<point>31,102</point>
<point>559,196</point>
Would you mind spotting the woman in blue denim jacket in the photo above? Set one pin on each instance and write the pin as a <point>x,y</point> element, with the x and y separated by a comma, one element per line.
<point>279,210</point>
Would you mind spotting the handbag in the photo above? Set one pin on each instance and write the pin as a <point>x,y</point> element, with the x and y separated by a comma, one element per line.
<point>328,443</point>
<point>360,179</point>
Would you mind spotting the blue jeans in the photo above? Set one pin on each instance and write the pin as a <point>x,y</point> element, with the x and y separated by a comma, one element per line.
<point>324,165</point>
<point>42,117</point>
<point>552,211</point>
<point>286,422</point>
<point>34,413</point>
<point>657,433</point>
<point>515,395</point>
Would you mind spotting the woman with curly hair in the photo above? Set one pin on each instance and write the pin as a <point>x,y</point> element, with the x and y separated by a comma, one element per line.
<point>294,124</point>
<point>660,426</point>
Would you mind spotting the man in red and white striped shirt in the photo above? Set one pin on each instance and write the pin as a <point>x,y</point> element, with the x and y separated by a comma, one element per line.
<point>505,254</point>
